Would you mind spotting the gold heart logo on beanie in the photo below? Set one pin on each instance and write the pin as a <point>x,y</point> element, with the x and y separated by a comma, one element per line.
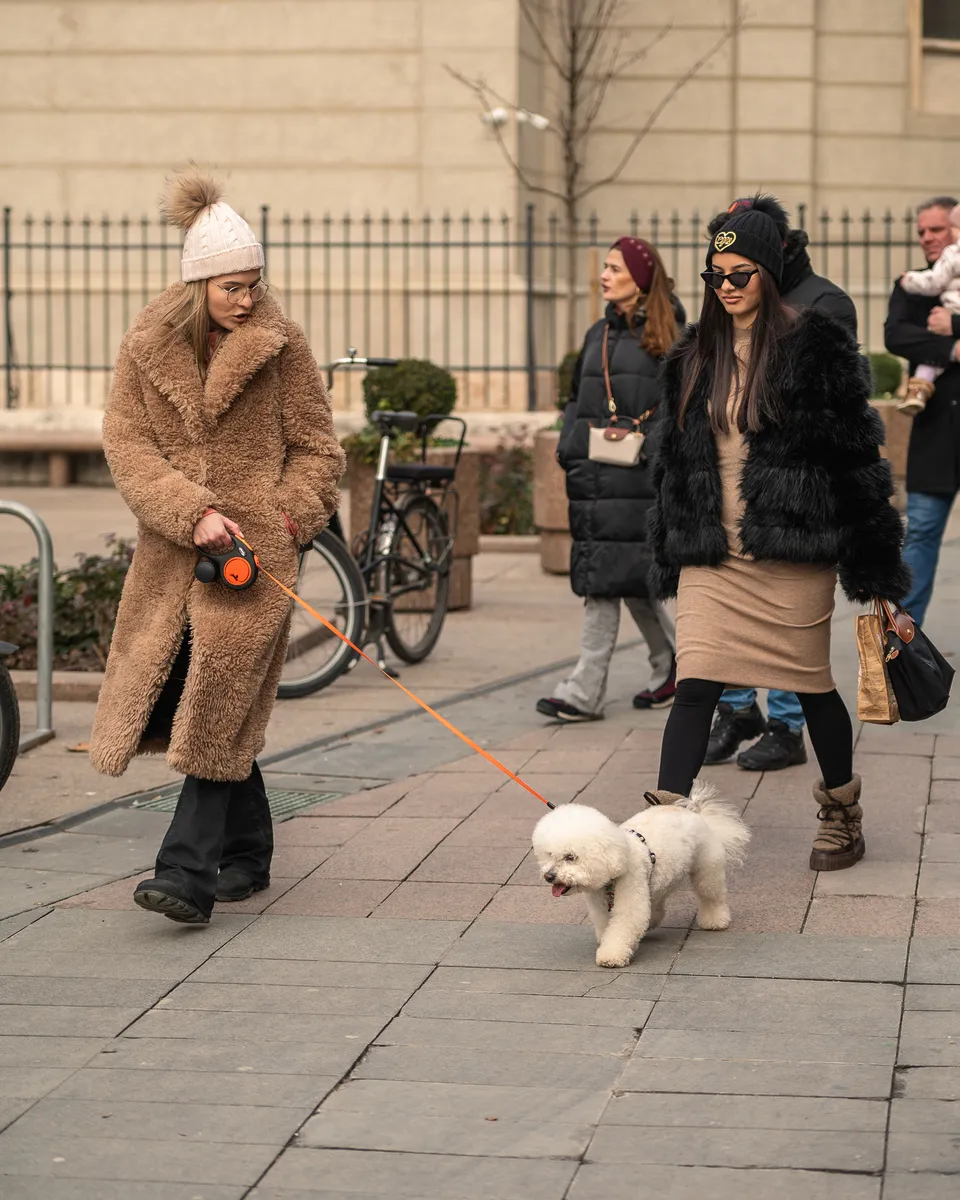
<point>723,240</point>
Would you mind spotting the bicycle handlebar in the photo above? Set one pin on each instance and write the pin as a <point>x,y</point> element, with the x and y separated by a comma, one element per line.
<point>352,360</point>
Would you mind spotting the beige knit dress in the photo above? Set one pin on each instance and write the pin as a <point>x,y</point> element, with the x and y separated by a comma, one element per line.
<point>747,623</point>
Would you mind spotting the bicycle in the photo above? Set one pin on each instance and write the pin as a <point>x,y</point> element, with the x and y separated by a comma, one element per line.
<point>9,718</point>
<point>395,586</point>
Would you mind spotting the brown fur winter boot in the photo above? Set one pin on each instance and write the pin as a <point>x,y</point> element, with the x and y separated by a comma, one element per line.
<point>662,797</point>
<point>839,842</point>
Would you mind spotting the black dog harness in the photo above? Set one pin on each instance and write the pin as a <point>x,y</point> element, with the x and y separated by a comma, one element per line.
<point>609,889</point>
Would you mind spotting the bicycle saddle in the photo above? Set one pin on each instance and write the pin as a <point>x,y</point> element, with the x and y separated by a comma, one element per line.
<point>405,422</point>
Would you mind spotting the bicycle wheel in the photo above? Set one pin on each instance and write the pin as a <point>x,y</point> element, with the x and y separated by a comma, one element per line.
<point>417,573</point>
<point>330,582</point>
<point>9,725</point>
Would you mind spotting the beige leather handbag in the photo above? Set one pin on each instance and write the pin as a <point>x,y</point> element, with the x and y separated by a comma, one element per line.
<point>614,444</point>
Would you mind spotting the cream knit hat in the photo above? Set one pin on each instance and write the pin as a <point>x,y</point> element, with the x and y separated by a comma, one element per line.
<point>218,240</point>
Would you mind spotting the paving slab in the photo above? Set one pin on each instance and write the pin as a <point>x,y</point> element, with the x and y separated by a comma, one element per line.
<point>19,1050</point>
<point>45,1188</point>
<point>674,1111</point>
<point>455,863</point>
<point>485,981</point>
<point>72,852</point>
<point>928,1083</point>
<point>517,1068</point>
<point>30,1083</point>
<point>561,1010</point>
<point>931,997</point>
<point>559,947</point>
<point>805,1020</point>
<point>935,960</point>
<point>257,1089</point>
<point>931,1153</point>
<point>306,973</point>
<point>758,1046</point>
<point>11,925</point>
<point>483,1137</point>
<point>67,1020</point>
<point>508,1035</point>
<point>60,990</point>
<point>284,998</point>
<point>746,1078</point>
<point>256,1026</point>
<point>871,877</point>
<point>23,889</point>
<point>101,935</point>
<point>61,964</point>
<point>11,1108</point>
<point>790,956</point>
<point>236,1054</point>
<point>454,1177</point>
<point>841,916</point>
<point>897,1186</point>
<point>382,1099</point>
<point>61,1156</point>
<point>930,1039</point>
<point>939,880</point>
<point>603,1181</point>
<point>346,939</point>
<point>180,1121</point>
<point>317,897</point>
<point>745,1148</point>
<point>420,900</point>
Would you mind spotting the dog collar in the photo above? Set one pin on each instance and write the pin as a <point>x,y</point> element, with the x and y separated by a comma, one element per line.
<point>653,857</point>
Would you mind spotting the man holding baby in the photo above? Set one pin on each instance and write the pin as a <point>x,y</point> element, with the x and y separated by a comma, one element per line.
<point>923,326</point>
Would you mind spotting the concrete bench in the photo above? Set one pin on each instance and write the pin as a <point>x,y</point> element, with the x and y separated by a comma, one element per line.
<point>59,447</point>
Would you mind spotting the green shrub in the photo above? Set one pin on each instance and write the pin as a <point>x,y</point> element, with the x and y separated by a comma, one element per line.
<point>85,601</point>
<point>364,446</point>
<point>506,487</point>
<point>565,378</point>
<point>887,372</point>
<point>413,385</point>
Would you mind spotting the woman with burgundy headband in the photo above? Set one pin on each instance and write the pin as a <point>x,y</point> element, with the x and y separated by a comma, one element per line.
<point>615,383</point>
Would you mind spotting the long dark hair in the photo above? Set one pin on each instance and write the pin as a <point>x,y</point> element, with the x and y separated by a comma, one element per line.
<point>660,328</point>
<point>712,355</point>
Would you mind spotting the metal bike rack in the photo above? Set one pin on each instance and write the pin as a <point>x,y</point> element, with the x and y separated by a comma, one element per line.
<point>44,731</point>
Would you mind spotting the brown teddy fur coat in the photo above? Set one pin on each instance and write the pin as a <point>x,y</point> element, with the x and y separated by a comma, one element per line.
<point>254,440</point>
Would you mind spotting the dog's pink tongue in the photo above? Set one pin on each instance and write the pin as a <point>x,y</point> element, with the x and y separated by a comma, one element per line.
<point>559,889</point>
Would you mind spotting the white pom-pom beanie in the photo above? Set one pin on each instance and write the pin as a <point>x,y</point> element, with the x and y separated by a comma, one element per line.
<point>217,243</point>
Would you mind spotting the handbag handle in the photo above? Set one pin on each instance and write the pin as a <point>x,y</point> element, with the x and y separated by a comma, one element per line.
<point>611,403</point>
<point>895,620</point>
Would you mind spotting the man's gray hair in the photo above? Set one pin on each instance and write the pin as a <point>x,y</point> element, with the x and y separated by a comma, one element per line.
<point>946,202</point>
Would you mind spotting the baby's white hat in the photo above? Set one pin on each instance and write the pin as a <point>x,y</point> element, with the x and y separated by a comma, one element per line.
<point>218,240</point>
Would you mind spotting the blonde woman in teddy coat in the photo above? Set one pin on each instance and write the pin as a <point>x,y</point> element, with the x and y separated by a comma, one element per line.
<point>217,424</point>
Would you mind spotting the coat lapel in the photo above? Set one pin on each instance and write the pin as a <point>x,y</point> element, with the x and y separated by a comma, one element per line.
<point>241,355</point>
<point>171,368</point>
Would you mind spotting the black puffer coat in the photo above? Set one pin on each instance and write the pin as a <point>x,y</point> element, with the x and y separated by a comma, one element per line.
<point>815,486</point>
<point>609,504</point>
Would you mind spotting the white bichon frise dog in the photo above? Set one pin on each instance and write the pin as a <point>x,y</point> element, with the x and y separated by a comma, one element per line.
<point>627,871</point>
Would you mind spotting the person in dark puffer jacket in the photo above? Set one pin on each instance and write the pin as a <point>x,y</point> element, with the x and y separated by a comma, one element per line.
<point>610,559</point>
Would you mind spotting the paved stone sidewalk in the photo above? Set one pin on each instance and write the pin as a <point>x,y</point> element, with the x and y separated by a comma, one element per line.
<point>407,1011</point>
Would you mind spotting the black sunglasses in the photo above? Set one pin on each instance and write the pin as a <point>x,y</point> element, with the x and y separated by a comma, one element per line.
<point>739,279</point>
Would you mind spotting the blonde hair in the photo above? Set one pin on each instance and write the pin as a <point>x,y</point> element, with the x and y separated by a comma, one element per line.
<point>186,315</point>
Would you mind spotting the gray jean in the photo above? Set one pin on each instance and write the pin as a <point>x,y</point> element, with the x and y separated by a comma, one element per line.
<point>586,687</point>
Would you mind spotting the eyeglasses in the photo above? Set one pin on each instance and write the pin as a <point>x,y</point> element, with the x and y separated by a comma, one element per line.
<point>237,291</point>
<point>738,279</point>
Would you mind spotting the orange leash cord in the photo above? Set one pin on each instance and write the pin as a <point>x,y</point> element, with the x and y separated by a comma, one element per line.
<point>406,691</point>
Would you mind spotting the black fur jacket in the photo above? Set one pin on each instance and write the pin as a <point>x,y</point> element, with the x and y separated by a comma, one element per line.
<point>815,487</point>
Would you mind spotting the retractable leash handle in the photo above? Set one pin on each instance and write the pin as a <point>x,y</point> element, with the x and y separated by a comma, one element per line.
<point>236,568</point>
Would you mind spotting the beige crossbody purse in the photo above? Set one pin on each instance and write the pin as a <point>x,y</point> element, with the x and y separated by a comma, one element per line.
<point>613,444</point>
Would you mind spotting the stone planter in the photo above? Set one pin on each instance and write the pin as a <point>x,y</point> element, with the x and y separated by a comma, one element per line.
<point>898,439</point>
<point>359,481</point>
<point>550,513</point>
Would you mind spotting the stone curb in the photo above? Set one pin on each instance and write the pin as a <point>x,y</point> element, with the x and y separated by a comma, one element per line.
<point>67,685</point>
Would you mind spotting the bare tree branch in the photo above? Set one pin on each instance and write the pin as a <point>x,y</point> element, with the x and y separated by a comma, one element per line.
<point>541,38</point>
<point>654,116</point>
<point>480,90</point>
<point>614,72</point>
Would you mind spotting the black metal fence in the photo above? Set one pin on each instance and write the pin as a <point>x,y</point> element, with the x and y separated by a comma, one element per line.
<point>484,296</point>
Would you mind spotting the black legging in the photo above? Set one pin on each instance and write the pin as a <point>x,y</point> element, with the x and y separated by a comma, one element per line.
<point>687,733</point>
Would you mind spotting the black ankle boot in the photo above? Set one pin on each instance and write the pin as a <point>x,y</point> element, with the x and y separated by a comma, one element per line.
<point>779,747</point>
<point>731,728</point>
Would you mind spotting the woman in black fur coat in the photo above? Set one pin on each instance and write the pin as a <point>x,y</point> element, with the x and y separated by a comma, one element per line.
<point>770,485</point>
<point>610,559</point>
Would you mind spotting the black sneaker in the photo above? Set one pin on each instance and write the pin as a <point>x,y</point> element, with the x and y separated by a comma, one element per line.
<point>731,728</point>
<point>166,898</point>
<point>779,747</point>
<point>234,884</point>
<point>561,711</point>
<point>661,697</point>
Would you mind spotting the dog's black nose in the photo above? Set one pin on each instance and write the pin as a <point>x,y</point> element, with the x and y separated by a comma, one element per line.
<point>551,877</point>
